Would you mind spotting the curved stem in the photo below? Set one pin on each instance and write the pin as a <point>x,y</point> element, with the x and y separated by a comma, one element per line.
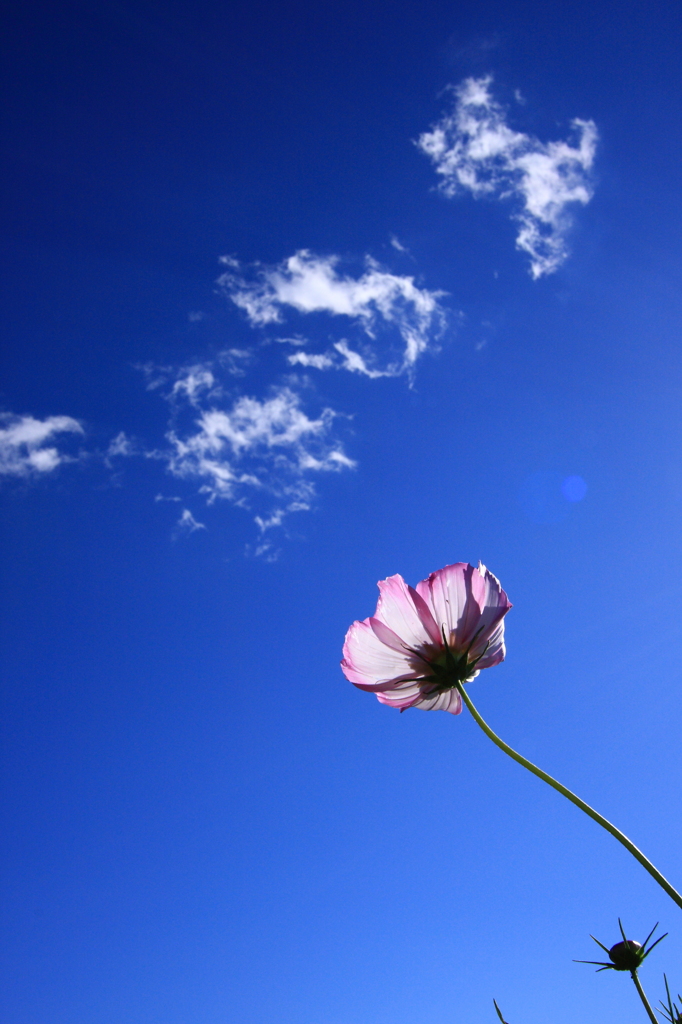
<point>590,811</point>
<point>642,996</point>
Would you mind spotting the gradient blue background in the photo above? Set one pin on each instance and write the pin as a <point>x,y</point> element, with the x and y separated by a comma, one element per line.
<point>204,822</point>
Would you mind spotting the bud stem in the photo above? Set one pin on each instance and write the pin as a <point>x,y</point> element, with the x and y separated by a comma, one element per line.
<point>642,996</point>
<point>590,811</point>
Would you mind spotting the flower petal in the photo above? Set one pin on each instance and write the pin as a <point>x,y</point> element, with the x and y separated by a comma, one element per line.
<point>401,697</point>
<point>494,653</point>
<point>467,602</point>
<point>370,663</point>
<point>494,605</point>
<point>412,694</point>
<point>448,595</point>
<point>402,609</point>
<point>448,701</point>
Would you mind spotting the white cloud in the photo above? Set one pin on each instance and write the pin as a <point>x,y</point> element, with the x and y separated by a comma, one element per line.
<point>322,361</point>
<point>188,523</point>
<point>265,451</point>
<point>121,445</point>
<point>296,340</point>
<point>266,550</point>
<point>27,445</point>
<point>277,516</point>
<point>474,150</point>
<point>354,362</point>
<point>194,383</point>
<point>156,376</point>
<point>268,445</point>
<point>234,360</point>
<point>376,300</point>
<point>264,454</point>
<point>258,453</point>
<point>349,360</point>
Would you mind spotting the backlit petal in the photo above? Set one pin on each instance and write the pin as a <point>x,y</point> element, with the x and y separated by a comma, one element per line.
<point>402,697</point>
<point>406,612</point>
<point>494,605</point>
<point>369,663</point>
<point>448,595</point>
<point>494,652</point>
<point>448,701</point>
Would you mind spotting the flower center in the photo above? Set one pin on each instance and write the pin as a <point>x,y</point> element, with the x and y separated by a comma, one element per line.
<point>448,668</point>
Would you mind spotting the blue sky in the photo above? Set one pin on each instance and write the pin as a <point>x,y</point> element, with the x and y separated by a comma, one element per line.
<point>297,297</point>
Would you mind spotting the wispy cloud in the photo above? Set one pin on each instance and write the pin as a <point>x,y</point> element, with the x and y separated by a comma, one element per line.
<point>120,445</point>
<point>377,301</point>
<point>264,446</point>
<point>398,245</point>
<point>194,384</point>
<point>266,449</point>
<point>235,361</point>
<point>473,149</point>
<point>267,445</point>
<point>187,523</point>
<point>341,357</point>
<point>197,382</point>
<point>28,446</point>
<point>319,361</point>
<point>260,453</point>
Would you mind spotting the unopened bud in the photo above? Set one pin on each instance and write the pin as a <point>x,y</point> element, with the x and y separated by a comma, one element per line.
<point>626,956</point>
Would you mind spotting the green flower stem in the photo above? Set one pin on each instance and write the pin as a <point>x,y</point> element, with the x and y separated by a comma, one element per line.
<point>590,811</point>
<point>642,996</point>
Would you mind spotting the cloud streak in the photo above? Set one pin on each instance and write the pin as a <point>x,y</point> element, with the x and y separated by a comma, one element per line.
<point>266,444</point>
<point>474,149</point>
<point>262,446</point>
<point>260,453</point>
<point>28,446</point>
<point>187,523</point>
<point>376,300</point>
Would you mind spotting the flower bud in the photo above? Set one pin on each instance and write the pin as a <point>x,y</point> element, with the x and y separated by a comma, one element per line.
<point>626,956</point>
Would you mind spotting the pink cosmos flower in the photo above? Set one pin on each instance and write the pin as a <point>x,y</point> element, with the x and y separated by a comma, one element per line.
<point>420,642</point>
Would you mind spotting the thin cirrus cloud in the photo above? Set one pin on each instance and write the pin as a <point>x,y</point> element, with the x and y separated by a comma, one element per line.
<point>32,447</point>
<point>474,149</point>
<point>269,444</point>
<point>262,454</point>
<point>386,307</point>
<point>265,451</point>
<point>187,523</point>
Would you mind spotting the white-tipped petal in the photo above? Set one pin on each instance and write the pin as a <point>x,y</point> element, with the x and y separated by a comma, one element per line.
<point>370,663</point>
<point>406,613</point>
<point>448,701</point>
